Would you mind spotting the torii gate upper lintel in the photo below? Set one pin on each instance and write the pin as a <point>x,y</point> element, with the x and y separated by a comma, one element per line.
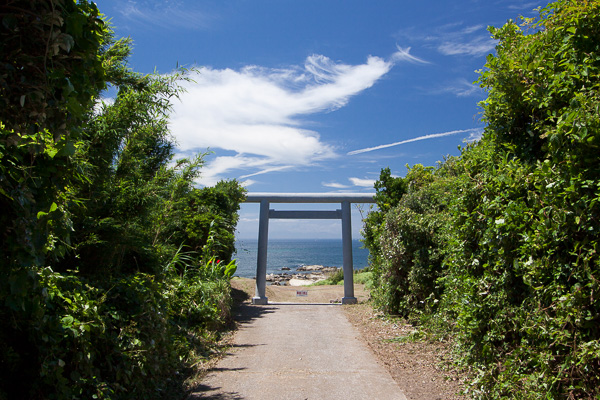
<point>345,199</point>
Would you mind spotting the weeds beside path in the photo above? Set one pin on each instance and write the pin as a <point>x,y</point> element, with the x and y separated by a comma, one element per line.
<point>422,369</point>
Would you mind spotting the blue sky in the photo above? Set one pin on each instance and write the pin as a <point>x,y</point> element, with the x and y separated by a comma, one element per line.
<point>316,95</point>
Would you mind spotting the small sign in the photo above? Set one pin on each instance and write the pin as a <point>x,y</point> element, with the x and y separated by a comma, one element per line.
<point>301,293</point>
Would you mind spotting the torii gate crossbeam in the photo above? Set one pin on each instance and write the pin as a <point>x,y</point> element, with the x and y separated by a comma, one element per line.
<point>265,199</point>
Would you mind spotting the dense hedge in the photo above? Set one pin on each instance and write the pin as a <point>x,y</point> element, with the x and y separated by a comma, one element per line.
<point>408,242</point>
<point>512,256</point>
<point>114,269</point>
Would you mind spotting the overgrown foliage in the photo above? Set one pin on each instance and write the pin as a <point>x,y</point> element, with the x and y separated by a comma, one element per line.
<point>114,269</point>
<point>411,241</point>
<point>515,265</point>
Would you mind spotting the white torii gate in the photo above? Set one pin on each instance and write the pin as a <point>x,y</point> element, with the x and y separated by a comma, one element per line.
<point>344,214</point>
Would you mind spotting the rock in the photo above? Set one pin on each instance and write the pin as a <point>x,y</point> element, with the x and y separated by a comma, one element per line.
<point>310,268</point>
<point>278,279</point>
<point>285,268</point>
<point>317,268</point>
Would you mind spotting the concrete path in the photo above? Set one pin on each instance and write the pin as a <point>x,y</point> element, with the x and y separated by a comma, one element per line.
<point>293,351</point>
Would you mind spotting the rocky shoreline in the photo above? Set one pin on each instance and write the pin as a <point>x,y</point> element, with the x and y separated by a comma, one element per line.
<point>304,275</point>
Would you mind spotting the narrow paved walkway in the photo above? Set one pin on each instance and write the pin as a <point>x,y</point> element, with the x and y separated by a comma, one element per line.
<point>297,352</point>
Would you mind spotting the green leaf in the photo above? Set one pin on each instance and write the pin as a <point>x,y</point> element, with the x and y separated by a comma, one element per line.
<point>67,321</point>
<point>66,149</point>
<point>51,151</point>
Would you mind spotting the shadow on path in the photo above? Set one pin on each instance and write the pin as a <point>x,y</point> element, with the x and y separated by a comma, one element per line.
<point>217,396</point>
<point>296,351</point>
<point>245,312</point>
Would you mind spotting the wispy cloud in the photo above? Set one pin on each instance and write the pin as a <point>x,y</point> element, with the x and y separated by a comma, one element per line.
<point>257,112</point>
<point>403,54</point>
<point>248,183</point>
<point>460,88</point>
<point>454,39</point>
<point>467,46</point>
<point>475,135</point>
<point>527,6</point>
<point>266,171</point>
<point>471,40</point>
<point>424,137</point>
<point>334,185</point>
<point>165,14</point>
<point>362,182</point>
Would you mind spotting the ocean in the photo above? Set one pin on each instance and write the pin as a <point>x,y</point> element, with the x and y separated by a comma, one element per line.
<point>293,253</point>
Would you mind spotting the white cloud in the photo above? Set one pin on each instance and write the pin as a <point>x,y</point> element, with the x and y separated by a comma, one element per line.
<point>335,185</point>
<point>475,135</point>
<point>256,112</point>
<point>362,182</point>
<point>365,183</point>
<point>526,6</point>
<point>102,103</point>
<point>424,137</point>
<point>165,14</point>
<point>460,88</point>
<point>473,47</point>
<point>404,55</point>
<point>247,183</point>
<point>453,39</point>
<point>267,170</point>
<point>472,29</point>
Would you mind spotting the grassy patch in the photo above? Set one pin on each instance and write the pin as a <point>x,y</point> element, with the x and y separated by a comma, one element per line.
<point>337,278</point>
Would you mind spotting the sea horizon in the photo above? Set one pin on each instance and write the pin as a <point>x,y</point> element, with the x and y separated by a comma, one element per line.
<point>293,253</point>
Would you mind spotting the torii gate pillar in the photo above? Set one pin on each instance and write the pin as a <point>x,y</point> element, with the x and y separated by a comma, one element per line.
<point>344,214</point>
<point>261,259</point>
<point>348,264</point>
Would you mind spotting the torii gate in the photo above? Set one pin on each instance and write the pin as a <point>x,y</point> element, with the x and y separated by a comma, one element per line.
<point>344,214</point>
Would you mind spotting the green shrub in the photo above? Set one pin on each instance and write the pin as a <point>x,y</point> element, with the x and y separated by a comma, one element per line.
<point>121,338</point>
<point>525,257</point>
<point>337,278</point>
<point>364,278</point>
<point>512,251</point>
<point>411,244</point>
<point>97,299</point>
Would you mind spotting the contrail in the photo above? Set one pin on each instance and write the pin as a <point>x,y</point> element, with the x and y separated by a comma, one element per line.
<point>431,136</point>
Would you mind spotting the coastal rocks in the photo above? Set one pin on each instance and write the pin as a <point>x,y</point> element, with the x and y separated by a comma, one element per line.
<point>315,273</point>
<point>319,268</point>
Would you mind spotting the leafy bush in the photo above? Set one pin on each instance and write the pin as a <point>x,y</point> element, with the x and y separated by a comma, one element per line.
<point>510,242</point>
<point>121,338</point>
<point>411,243</point>
<point>100,295</point>
<point>389,191</point>
<point>527,221</point>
